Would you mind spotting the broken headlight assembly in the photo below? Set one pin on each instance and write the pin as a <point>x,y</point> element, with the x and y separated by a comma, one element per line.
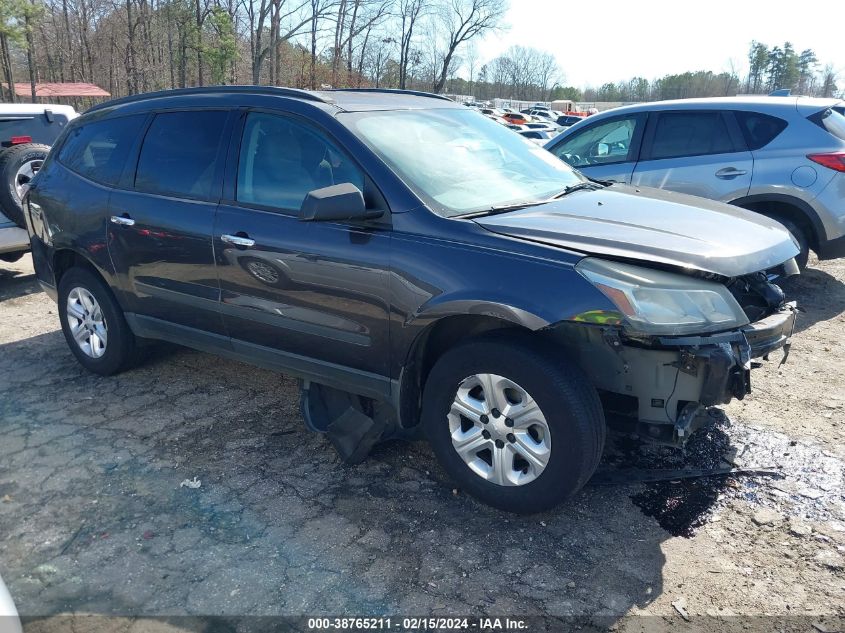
<point>662,303</point>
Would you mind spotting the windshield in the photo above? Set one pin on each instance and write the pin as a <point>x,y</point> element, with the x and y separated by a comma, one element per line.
<point>459,161</point>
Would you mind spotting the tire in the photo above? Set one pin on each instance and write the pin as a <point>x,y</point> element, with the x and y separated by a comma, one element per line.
<point>12,257</point>
<point>800,236</point>
<point>17,166</point>
<point>574,422</point>
<point>120,350</point>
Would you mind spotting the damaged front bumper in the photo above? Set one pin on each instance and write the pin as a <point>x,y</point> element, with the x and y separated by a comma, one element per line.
<point>665,384</point>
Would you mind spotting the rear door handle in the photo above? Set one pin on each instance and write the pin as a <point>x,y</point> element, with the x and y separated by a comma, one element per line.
<point>123,220</point>
<point>238,240</point>
<point>730,172</point>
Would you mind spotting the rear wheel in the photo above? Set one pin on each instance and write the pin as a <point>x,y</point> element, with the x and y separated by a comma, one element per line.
<point>93,324</point>
<point>513,425</point>
<point>18,166</point>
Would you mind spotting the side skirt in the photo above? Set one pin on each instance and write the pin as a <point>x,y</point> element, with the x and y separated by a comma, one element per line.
<point>321,372</point>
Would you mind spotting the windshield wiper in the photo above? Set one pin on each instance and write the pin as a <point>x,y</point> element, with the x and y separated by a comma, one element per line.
<point>578,187</point>
<point>503,208</point>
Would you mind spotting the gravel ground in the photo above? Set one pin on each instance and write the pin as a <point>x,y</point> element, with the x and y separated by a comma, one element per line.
<point>93,518</point>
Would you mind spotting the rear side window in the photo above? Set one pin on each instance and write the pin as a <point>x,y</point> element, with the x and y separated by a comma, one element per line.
<point>690,134</point>
<point>759,129</point>
<point>98,150</point>
<point>179,153</point>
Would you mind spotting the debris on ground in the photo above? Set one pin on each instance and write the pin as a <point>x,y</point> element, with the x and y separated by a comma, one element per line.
<point>680,605</point>
<point>191,483</point>
<point>765,516</point>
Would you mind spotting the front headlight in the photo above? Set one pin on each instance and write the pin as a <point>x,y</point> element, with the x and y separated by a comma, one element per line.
<point>662,303</point>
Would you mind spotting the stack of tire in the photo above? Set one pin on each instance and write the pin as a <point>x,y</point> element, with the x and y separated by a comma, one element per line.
<point>18,165</point>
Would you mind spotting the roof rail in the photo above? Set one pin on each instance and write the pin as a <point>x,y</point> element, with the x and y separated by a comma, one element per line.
<point>417,93</point>
<point>266,90</point>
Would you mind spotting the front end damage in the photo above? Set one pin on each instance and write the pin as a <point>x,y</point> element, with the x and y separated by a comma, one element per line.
<point>662,386</point>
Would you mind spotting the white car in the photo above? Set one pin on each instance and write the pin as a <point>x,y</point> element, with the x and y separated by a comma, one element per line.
<point>540,137</point>
<point>26,133</point>
<point>9,620</point>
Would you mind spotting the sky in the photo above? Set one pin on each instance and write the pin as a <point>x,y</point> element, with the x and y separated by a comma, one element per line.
<point>602,41</point>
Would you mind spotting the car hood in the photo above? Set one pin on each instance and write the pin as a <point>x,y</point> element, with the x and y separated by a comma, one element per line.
<point>653,225</point>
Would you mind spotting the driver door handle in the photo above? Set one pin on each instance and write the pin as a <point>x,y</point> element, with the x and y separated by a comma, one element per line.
<point>238,240</point>
<point>730,172</point>
<point>123,220</point>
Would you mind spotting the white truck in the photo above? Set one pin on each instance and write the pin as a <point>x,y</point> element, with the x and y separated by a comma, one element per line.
<point>26,133</point>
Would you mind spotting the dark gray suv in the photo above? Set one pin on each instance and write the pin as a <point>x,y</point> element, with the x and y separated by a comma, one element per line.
<point>416,264</point>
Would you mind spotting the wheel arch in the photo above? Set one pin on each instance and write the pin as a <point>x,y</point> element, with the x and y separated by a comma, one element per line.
<point>432,342</point>
<point>64,259</point>
<point>789,207</point>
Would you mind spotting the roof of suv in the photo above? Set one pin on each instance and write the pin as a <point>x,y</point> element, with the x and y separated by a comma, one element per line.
<point>348,100</point>
<point>751,102</point>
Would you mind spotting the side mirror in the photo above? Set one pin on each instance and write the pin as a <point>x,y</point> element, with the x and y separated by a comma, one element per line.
<point>338,202</point>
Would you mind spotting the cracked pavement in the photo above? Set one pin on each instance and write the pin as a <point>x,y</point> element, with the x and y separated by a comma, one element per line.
<point>93,518</point>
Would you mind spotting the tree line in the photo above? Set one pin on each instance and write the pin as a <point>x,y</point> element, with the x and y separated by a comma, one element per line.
<point>130,46</point>
<point>527,74</point>
<point>769,68</point>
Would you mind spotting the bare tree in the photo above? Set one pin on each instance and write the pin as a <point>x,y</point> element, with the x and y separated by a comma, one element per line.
<point>409,13</point>
<point>462,21</point>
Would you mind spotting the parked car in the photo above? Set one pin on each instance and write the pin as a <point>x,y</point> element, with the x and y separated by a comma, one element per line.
<point>540,125</point>
<point>542,115</point>
<point>540,137</point>
<point>26,133</point>
<point>517,117</point>
<point>566,120</point>
<point>783,157</point>
<point>419,267</point>
<point>9,620</point>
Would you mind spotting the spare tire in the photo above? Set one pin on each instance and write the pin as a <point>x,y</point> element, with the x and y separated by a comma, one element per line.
<point>18,166</point>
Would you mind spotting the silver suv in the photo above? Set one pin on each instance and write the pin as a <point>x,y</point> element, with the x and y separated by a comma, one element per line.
<point>783,157</point>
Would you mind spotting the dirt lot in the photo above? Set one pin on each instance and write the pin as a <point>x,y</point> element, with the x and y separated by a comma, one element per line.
<point>93,518</point>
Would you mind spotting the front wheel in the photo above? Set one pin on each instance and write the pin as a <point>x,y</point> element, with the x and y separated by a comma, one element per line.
<point>513,425</point>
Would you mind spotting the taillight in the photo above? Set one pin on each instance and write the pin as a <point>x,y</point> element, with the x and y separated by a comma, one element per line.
<point>18,140</point>
<point>834,161</point>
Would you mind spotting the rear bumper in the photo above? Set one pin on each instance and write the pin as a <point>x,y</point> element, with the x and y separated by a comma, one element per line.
<point>13,240</point>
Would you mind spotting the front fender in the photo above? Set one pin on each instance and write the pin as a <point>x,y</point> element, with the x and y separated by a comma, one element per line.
<point>441,307</point>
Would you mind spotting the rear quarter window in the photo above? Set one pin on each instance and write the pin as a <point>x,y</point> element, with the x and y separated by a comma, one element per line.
<point>759,129</point>
<point>832,120</point>
<point>98,150</point>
